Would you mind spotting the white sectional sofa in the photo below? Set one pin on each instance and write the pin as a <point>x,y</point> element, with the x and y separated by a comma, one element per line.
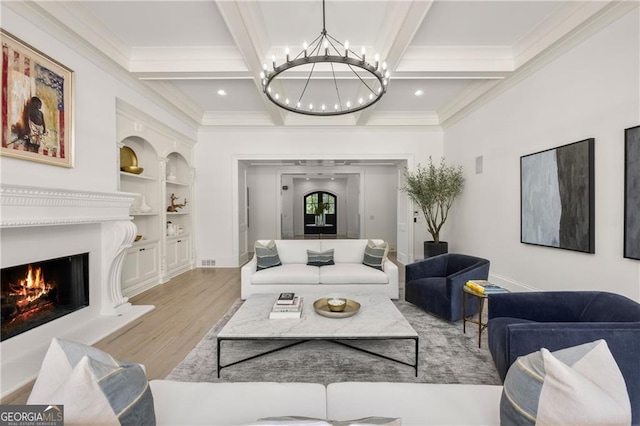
<point>417,404</point>
<point>294,275</point>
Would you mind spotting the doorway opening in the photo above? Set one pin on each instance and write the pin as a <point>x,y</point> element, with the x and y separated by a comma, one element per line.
<point>320,213</point>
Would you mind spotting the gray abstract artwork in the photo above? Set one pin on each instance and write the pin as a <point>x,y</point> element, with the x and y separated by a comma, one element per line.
<point>557,197</point>
<point>632,194</point>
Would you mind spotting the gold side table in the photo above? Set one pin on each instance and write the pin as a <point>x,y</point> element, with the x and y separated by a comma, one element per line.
<point>469,318</point>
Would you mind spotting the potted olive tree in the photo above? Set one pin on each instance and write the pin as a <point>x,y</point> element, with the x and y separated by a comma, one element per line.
<point>434,188</point>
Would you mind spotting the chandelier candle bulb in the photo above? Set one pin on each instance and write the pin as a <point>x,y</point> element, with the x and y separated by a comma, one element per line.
<point>341,66</point>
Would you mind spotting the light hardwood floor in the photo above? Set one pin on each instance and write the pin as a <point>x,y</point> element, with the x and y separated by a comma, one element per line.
<point>186,308</point>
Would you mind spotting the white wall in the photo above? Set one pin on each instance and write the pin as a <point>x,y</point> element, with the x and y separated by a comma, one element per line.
<point>97,86</point>
<point>590,91</point>
<point>219,151</point>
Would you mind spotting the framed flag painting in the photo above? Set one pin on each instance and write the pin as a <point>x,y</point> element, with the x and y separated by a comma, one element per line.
<point>37,120</point>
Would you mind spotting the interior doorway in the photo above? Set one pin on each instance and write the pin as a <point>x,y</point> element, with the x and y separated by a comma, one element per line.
<point>320,213</point>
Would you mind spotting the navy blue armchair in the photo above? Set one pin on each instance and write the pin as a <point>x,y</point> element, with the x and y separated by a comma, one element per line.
<point>435,284</point>
<point>522,323</point>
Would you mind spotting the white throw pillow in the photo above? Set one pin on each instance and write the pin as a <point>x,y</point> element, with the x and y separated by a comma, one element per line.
<point>94,387</point>
<point>581,385</point>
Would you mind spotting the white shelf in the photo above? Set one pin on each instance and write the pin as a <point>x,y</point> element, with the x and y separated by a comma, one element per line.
<point>176,183</point>
<point>144,214</point>
<point>176,237</point>
<point>135,176</point>
<point>177,213</point>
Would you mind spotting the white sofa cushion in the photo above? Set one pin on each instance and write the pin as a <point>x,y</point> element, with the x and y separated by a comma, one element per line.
<point>178,403</point>
<point>417,404</point>
<point>289,273</point>
<point>351,273</point>
<point>295,251</point>
<point>347,251</point>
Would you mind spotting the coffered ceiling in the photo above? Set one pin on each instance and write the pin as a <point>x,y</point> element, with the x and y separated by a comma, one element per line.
<point>453,52</point>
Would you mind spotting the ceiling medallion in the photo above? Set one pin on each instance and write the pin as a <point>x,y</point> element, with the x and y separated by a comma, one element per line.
<point>331,57</point>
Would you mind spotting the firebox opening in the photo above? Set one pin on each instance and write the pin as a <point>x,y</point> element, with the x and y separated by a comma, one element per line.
<point>38,292</point>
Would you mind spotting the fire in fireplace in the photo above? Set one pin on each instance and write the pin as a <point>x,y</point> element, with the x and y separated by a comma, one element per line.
<point>36,293</point>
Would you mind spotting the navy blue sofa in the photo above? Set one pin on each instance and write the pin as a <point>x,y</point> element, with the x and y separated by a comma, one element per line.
<point>522,323</point>
<point>435,284</point>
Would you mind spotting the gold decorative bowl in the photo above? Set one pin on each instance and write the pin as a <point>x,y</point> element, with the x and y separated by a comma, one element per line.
<point>321,306</point>
<point>132,169</point>
<point>336,304</point>
<point>138,237</point>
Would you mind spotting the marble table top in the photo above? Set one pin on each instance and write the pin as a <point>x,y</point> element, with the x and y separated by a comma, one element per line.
<point>378,318</point>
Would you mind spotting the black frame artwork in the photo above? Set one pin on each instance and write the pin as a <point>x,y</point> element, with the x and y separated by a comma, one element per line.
<point>632,193</point>
<point>557,197</point>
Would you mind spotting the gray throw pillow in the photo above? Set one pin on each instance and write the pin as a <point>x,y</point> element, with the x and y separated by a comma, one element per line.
<point>320,258</point>
<point>375,255</point>
<point>267,255</point>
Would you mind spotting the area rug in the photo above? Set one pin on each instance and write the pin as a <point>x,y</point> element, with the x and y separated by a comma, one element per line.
<point>446,355</point>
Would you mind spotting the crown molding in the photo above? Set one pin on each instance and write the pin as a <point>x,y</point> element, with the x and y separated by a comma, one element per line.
<point>135,115</point>
<point>235,118</point>
<point>171,94</point>
<point>243,19</point>
<point>401,23</point>
<point>89,29</point>
<point>404,118</point>
<point>604,17</point>
<point>52,25</point>
<point>562,22</point>
<point>186,59</point>
<point>458,59</point>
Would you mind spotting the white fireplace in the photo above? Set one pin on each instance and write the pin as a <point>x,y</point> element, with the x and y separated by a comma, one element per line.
<point>43,223</point>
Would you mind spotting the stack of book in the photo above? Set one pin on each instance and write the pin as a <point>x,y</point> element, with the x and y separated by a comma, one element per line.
<point>484,287</point>
<point>288,305</point>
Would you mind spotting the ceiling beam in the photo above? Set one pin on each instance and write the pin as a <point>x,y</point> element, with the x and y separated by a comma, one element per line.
<point>400,26</point>
<point>243,24</point>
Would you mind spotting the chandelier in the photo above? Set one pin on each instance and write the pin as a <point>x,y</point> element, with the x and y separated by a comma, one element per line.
<point>303,84</point>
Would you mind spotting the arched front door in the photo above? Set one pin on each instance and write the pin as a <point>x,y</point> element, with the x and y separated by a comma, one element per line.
<point>324,222</point>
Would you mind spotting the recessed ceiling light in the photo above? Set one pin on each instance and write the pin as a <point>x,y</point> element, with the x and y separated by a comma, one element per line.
<point>222,92</point>
<point>419,92</point>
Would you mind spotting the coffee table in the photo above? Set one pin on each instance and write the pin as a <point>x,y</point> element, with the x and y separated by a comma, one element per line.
<point>378,319</point>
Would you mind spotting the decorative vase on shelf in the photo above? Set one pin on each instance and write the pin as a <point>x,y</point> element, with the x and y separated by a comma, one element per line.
<point>171,177</point>
<point>144,207</point>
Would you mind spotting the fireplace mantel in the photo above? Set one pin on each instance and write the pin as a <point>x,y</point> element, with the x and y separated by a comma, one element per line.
<point>38,223</point>
<point>33,206</point>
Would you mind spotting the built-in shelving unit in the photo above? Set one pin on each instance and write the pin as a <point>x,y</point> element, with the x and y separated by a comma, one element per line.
<point>165,247</point>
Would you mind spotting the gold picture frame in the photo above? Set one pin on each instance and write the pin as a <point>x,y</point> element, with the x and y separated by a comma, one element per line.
<point>36,105</point>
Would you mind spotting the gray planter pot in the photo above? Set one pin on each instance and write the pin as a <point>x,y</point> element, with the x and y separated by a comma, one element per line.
<point>433,249</point>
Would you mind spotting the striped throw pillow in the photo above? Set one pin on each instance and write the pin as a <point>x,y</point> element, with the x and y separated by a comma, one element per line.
<point>580,385</point>
<point>94,387</point>
<point>267,255</point>
<point>375,255</point>
<point>320,258</point>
